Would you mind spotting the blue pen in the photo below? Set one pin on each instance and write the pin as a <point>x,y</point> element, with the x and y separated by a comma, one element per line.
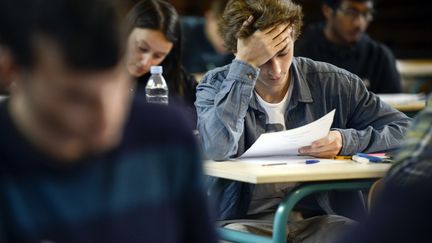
<point>373,159</point>
<point>311,161</point>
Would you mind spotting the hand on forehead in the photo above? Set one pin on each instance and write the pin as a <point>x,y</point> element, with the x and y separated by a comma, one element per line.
<point>277,28</point>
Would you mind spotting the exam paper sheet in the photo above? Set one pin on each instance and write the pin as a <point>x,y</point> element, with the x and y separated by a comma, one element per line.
<point>288,142</point>
<point>287,160</point>
<point>402,99</point>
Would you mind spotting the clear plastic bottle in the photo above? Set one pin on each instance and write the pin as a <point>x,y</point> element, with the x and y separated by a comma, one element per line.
<point>156,88</point>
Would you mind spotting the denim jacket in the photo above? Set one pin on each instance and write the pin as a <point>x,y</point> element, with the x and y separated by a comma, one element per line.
<point>230,119</point>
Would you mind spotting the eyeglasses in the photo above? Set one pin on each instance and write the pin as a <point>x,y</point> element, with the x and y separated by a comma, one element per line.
<point>354,14</point>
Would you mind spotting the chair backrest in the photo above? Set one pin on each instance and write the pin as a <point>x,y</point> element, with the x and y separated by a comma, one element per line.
<point>374,192</point>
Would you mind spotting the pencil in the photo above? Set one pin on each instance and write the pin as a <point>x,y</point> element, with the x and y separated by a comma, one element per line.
<point>342,157</point>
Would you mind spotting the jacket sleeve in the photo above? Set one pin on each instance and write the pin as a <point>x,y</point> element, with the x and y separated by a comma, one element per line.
<point>372,125</point>
<point>222,102</point>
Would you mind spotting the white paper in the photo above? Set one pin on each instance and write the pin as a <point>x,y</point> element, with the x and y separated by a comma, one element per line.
<point>293,159</point>
<point>286,160</point>
<point>288,142</point>
<point>402,99</point>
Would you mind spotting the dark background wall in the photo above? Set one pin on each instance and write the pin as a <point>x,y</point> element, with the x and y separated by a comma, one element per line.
<point>403,25</point>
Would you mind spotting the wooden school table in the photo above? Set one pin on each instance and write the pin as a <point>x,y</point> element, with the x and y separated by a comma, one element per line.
<point>344,175</point>
<point>410,104</point>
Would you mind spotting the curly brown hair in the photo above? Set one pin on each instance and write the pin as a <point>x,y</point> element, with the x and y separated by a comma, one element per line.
<point>266,13</point>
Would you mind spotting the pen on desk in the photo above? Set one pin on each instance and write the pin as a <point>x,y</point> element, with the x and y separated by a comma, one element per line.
<point>274,164</point>
<point>311,161</point>
<point>342,157</point>
<point>373,159</point>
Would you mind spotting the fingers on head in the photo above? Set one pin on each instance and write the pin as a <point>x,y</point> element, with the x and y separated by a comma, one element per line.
<point>248,21</point>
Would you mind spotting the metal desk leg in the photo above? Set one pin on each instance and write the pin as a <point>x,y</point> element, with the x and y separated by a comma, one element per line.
<point>303,190</point>
<point>286,206</point>
<point>238,236</point>
<point>229,234</point>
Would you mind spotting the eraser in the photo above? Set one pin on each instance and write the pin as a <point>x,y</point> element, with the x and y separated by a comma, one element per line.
<point>360,160</point>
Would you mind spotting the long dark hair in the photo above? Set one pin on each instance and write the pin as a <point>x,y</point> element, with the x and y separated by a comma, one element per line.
<point>162,16</point>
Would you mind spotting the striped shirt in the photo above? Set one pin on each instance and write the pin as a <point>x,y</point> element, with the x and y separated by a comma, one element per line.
<point>414,160</point>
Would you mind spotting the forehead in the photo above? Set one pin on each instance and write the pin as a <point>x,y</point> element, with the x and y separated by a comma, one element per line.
<point>154,39</point>
<point>289,27</point>
<point>359,5</point>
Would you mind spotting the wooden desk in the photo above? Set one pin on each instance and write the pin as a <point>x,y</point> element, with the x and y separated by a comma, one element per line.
<point>415,68</point>
<point>416,75</point>
<point>411,107</point>
<point>258,174</point>
<point>410,104</point>
<point>347,175</point>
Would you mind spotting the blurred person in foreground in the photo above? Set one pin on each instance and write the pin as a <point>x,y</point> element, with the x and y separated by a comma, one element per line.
<point>80,160</point>
<point>342,41</point>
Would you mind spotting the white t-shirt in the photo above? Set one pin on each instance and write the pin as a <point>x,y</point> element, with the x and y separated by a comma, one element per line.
<point>275,112</point>
<point>266,196</point>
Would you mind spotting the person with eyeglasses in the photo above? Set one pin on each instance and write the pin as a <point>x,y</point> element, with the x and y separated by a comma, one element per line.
<point>341,40</point>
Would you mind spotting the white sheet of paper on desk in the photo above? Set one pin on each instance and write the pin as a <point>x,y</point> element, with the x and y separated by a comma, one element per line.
<point>286,160</point>
<point>402,99</point>
<point>288,142</point>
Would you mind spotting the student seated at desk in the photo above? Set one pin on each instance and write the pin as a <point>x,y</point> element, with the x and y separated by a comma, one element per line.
<point>80,160</point>
<point>265,89</point>
<point>402,210</point>
<point>155,39</point>
<point>342,41</point>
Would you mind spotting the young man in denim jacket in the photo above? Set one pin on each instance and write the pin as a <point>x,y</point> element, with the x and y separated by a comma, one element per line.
<point>267,89</point>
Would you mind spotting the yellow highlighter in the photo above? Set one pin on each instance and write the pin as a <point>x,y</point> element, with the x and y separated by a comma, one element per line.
<point>342,157</point>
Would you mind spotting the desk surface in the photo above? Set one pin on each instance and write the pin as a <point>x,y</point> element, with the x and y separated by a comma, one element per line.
<point>415,68</point>
<point>414,106</point>
<point>405,102</point>
<point>258,174</point>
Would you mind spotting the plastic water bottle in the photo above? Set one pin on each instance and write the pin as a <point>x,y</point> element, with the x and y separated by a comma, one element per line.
<point>156,88</point>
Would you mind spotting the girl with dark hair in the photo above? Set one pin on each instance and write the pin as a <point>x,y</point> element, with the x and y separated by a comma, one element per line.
<point>155,39</point>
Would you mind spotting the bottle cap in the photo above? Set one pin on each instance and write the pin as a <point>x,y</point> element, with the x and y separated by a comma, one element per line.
<point>156,69</point>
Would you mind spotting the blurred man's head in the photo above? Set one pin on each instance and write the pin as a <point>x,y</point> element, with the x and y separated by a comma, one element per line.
<point>266,14</point>
<point>347,20</point>
<point>212,17</point>
<point>71,92</point>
